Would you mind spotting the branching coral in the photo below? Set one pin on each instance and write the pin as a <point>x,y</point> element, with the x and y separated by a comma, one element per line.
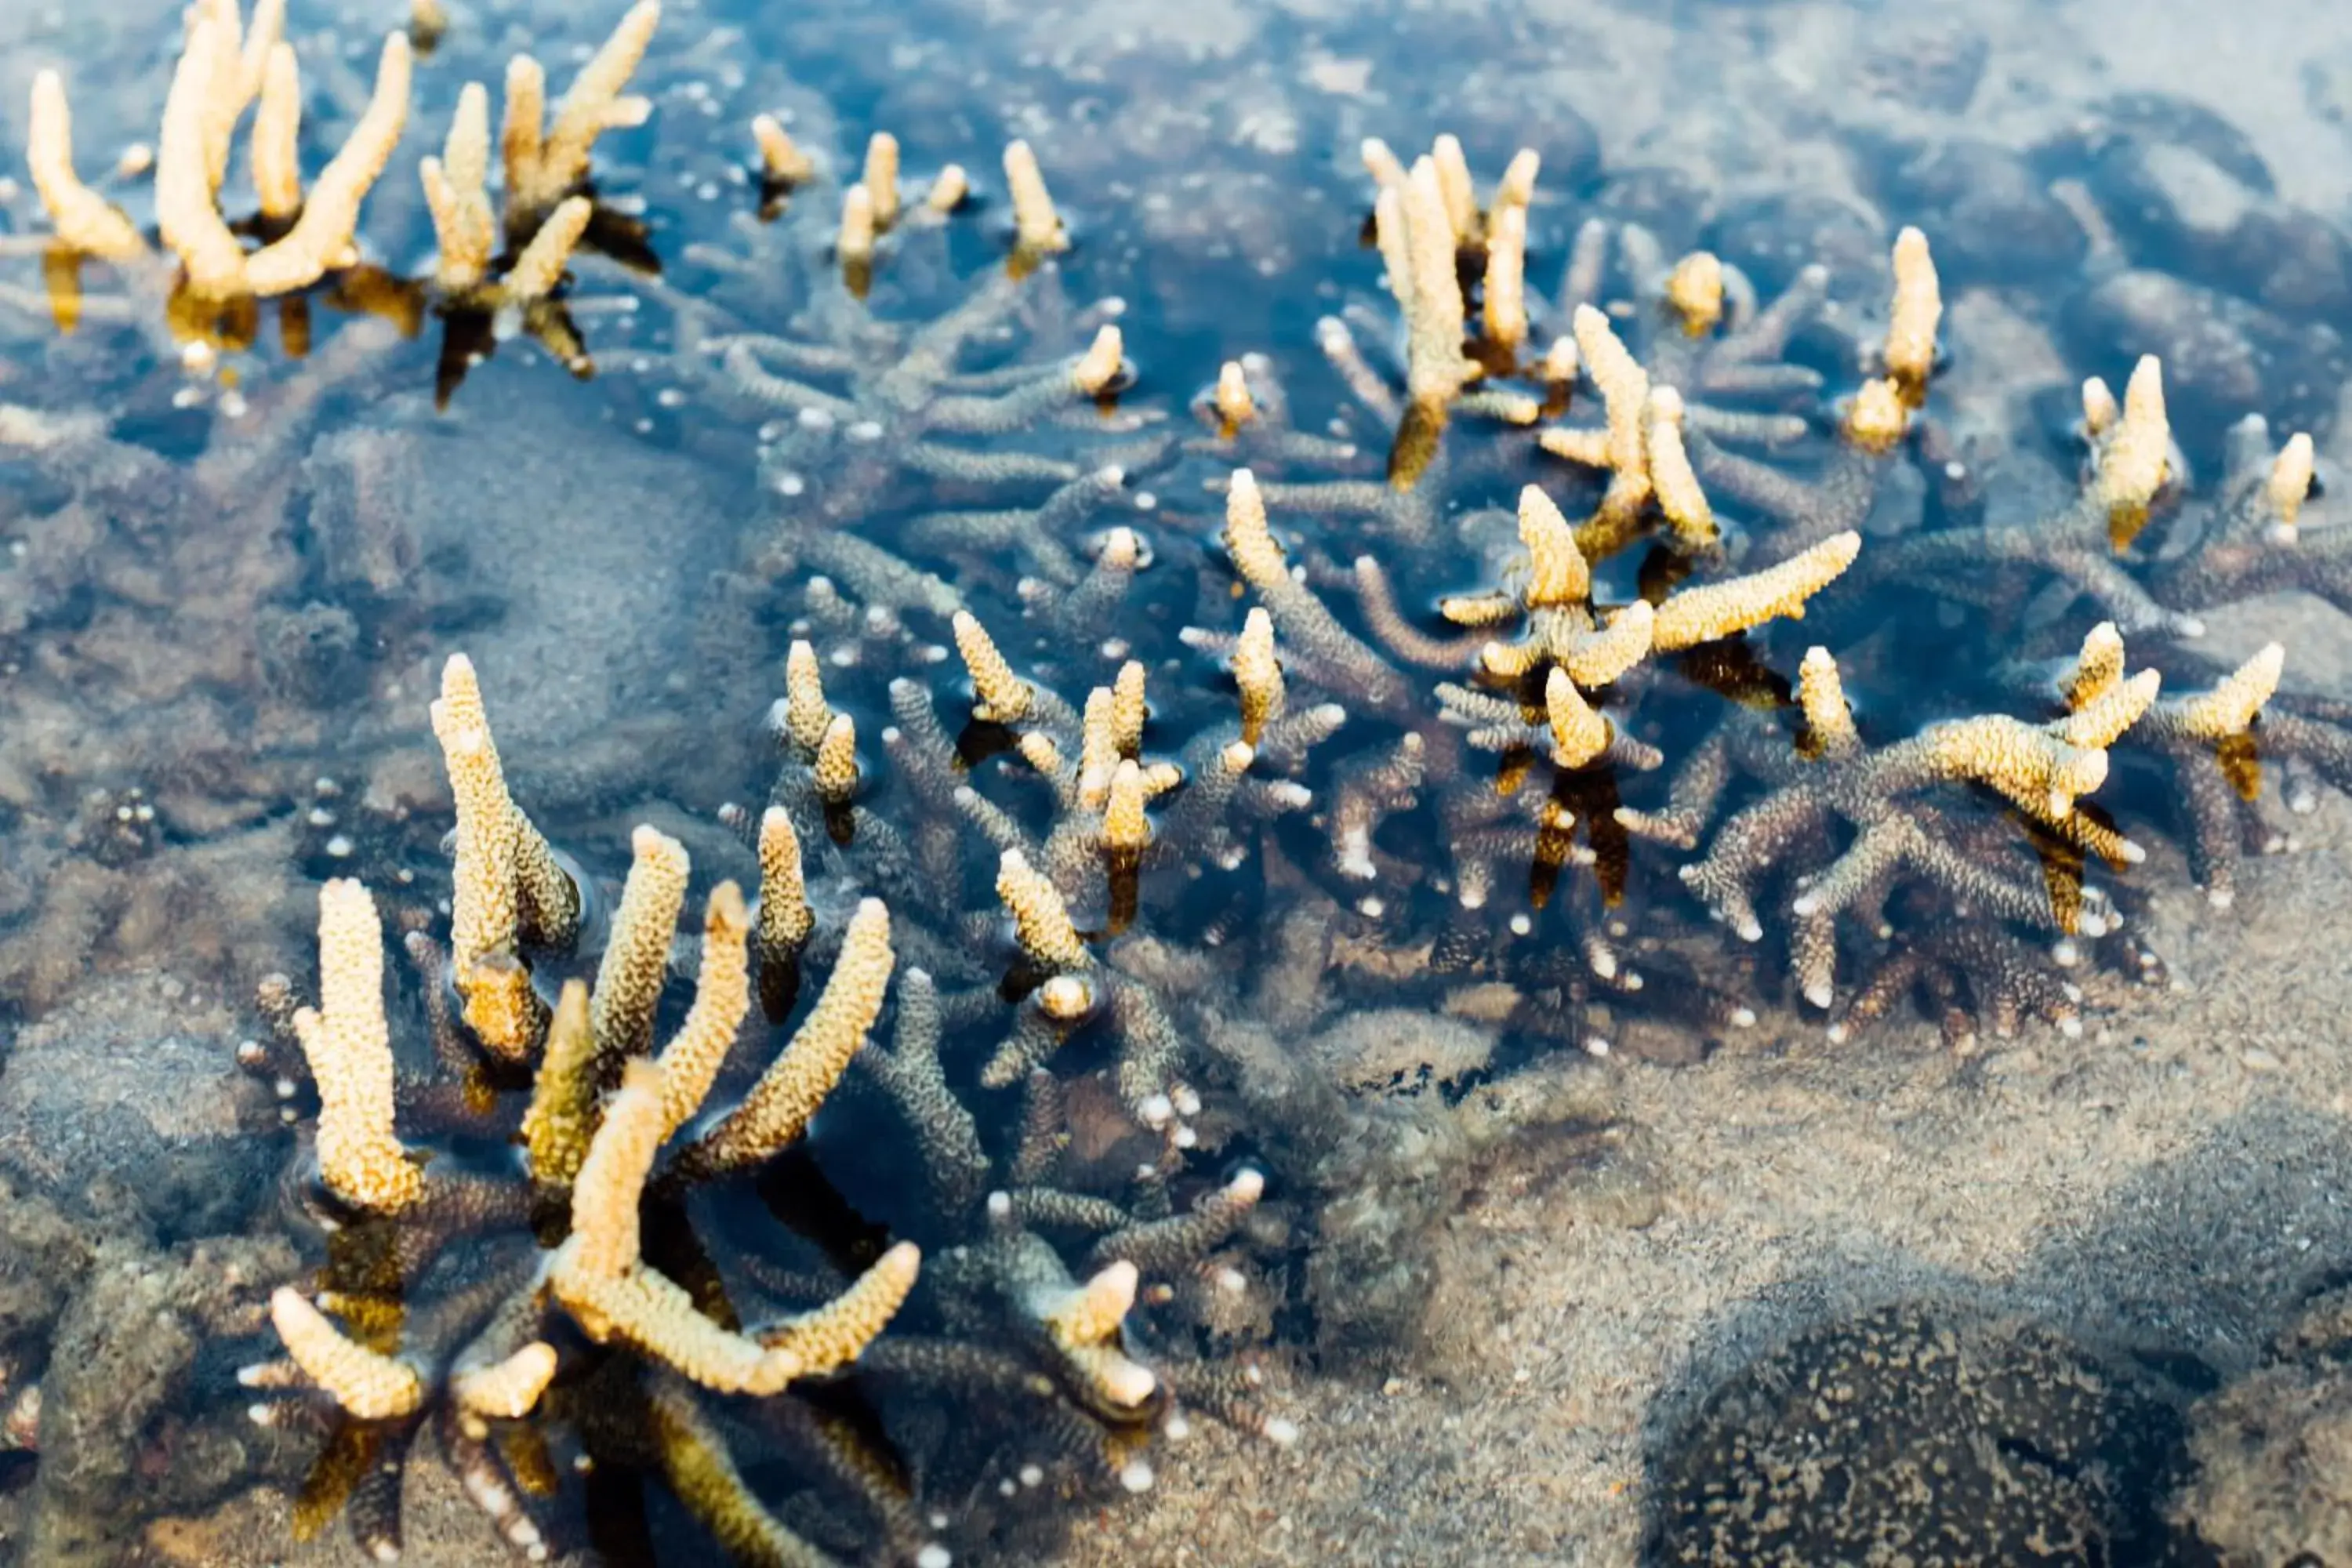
<point>515,1335</point>
<point>477,1353</point>
<point>865,413</point>
<point>305,238</point>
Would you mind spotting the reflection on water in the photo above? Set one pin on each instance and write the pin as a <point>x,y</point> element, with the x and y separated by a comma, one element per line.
<point>1360,678</point>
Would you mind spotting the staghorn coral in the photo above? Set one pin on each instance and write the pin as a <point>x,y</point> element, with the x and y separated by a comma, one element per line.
<point>309,243</point>
<point>866,411</point>
<point>552,1317</point>
<point>1100,990</point>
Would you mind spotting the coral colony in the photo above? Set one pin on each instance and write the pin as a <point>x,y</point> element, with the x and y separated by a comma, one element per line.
<point>512,261</point>
<point>1037,872</point>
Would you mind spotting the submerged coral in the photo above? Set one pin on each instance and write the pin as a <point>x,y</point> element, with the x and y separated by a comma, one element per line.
<point>511,1343</point>
<point>1200,998</point>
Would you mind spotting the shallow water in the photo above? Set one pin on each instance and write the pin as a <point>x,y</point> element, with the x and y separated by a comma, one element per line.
<point>1566,1186</point>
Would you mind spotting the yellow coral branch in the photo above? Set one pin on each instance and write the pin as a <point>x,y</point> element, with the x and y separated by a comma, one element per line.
<point>1036,227</point>
<point>1820,695</point>
<point>276,149</point>
<point>1694,292</point>
<point>1040,919</point>
<point>1702,615</point>
<point>369,1386</point>
<point>1258,673</point>
<point>722,995</point>
<point>1677,487</point>
<point>83,219</point>
<point>636,955</point>
<point>1912,318</point>
<point>1578,734</point>
<point>781,162</point>
<point>881,179</point>
<point>786,918</point>
<point>506,1390</point>
<point>833,1335</point>
<point>777,1108</point>
<point>321,237</point>
<point>1002,697</point>
<point>605,1242</point>
<point>349,1047</point>
<point>563,1113</point>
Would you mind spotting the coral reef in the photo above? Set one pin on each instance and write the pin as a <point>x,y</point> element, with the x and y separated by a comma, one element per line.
<point>1206,1005</point>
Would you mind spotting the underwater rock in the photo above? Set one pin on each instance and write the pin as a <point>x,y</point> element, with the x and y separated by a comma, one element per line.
<point>46,1252</point>
<point>118,1445</point>
<point>1399,1050</point>
<point>1993,219</point>
<point>308,655</point>
<point>1913,1435</point>
<point>2274,1450</point>
<point>1774,236</point>
<point>2163,117</point>
<point>120,1103</point>
<point>2222,356</point>
<point>1925,61</point>
<point>2175,206</point>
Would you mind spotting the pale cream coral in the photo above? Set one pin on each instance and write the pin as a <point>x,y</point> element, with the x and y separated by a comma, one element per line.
<point>1701,615</point>
<point>83,219</point>
<point>457,194</point>
<point>777,1108</point>
<point>561,1117</point>
<point>1821,696</point>
<point>1505,304</point>
<point>509,1389</point>
<point>1084,1321</point>
<point>786,921</point>
<point>369,1386</point>
<point>541,170</point>
<point>1128,709</point>
<point>1232,399</point>
<point>1909,354</point>
<point>1680,499</point>
<point>278,137</point>
<point>1558,573</point>
<point>834,770</point>
<point>1695,291</point>
<point>1040,919</point>
<point>636,954</point>
<point>539,268</point>
<point>1000,696</point>
<point>349,1047</point>
<point>881,178</point>
<point>1038,228</point>
<point>321,237</point>
<point>806,714</point>
<point>2134,448</point>
<point>722,996</point>
<point>1578,734</point>
<point>1098,369</point>
<point>1258,673</point>
<point>781,162</point>
<point>1126,829</point>
<point>606,1241</point>
<point>833,1335</point>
